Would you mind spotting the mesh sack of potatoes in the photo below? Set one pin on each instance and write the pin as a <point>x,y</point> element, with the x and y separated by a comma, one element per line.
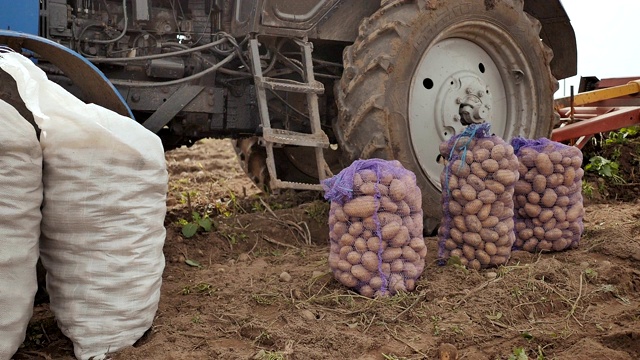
<point>375,223</point>
<point>477,198</point>
<point>548,195</point>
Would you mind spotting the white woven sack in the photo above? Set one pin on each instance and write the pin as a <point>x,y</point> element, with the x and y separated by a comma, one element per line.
<point>105,183</point>
<point>20,200</point>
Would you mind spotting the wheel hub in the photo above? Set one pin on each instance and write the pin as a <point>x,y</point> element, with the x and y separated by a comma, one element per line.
<point>456,83</point>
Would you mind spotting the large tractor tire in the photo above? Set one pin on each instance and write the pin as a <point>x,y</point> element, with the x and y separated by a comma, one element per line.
<point>420,71</point>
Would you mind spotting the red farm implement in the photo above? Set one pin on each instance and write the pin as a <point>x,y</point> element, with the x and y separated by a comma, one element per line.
<point>600,106</point>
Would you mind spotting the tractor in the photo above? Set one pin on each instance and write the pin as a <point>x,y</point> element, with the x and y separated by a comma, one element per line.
<point>306,87</point>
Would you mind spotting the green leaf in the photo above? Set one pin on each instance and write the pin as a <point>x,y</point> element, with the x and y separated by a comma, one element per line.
<point>195,216</point>
<point>189,230</point>
<point>454,260</point>
<point>205,223</point>
<point>192,263</point>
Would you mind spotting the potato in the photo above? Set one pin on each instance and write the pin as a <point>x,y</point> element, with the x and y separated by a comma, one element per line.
<point>397,190</point>
<point>550,224</point>
<point>459,223</point>
<point>367,234</point>
<point>497,208</point>
<point>555,157</point>
<point>370,261</point>
<point>562,225</point>
<point>530,245</point>
<point>469,252</point>
<point>456,235</point>
<point>490,249</point>
<point>561,244</point>
<point>483,257</point>
<point>370,223</point>
<point>449,244</point>
<point>356,228</point>
<point>457,253</point>
<point>386,204</point>
<point>353,257</point>
<point>484,213</point>
<point>477,170</point>
<point>347,240</point>
<point>544,164</point>
<point>344,265</point>
<point>576,162</point>
<point>460,169</point>
<point>369,188</point>
<point>575,212</point>
<point>391,253</point>
<point>375,283</point>
<point>401,238</point>
<point>360,273</point>
<point>397,265</point>
<point>520,225</point>
<point>472,223</point>
<point>503,228</point>
<point>527,156</point>
<point>549,198</point>
<point>475,182</point>
<point>488,235</point>
<point>410,270</point>
<point>487,196</point>
<point>474,265</point>
<point>563,201</point>
<point>472,207</point>
<point>503,241</point>
<point>522,187</point>
<point>373,244</point>
<point>347,279</point>
<point>468,192</point>
<point>505,177</point>
<point>409,254</point>
<point>396,283</point>
<point>558,169</point>
<point>545,215</point>
<point>403,208</point>
<point>490,166</point>
<point>472,239</point>
<point>385,218</point>
<point>533,198</point>
<point>368,175</point>
<point>498,152</point>
<point>360,245</point>
<point>386,177</point>
<point>504,250</point>
<point>538,232</point>
<point>362,206</point>
<point>499,260</point>
<point>539,183</point>
<point>544,245</point>
<point>490,222</point>
<point>554,180</point>
<point>532,210</point>
<point>481,154</point>
<point>494,186</point>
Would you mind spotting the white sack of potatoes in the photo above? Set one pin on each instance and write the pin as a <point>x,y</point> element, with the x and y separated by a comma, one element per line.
<point>105,184</point>
<point>20,200</point>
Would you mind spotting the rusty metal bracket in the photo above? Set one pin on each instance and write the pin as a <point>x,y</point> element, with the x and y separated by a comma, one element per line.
<point>170,108</point>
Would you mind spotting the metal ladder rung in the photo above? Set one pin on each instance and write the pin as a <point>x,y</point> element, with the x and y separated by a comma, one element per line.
<point>287,137</point>
<point>292,86</point>
<point>279,184</point>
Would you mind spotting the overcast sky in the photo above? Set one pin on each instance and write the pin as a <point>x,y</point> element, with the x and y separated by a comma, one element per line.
<point>608,38</point>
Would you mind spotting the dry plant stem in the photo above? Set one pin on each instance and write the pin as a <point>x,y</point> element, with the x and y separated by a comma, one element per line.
<point>475,290</point>
<point>416,350</point>
<point>270,240</point>
<point>420,297</point>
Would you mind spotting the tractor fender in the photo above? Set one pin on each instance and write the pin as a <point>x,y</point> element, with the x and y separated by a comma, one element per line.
<point>94,85</point>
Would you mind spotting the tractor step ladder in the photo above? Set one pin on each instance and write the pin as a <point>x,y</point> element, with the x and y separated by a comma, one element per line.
<point>316,139</point>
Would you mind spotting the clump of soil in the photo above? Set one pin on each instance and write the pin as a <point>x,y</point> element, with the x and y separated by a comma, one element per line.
<point>258,286</point>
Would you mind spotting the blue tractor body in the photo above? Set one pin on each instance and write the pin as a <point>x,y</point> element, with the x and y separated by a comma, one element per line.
<point>20,15</point>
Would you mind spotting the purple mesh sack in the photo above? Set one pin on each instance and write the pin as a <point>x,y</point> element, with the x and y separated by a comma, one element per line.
<point>548,196</point>
<point>477,198</point>
<point>375,224</point>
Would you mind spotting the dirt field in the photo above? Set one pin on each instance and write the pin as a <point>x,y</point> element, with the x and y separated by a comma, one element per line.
<point>258,287</point>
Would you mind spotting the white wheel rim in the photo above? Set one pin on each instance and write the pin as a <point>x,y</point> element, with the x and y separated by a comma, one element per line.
<point>465,59</point>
